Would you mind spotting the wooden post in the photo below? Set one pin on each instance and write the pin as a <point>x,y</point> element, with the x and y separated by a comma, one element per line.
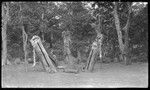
<point>39,48</point>
<point>96,46</point>
<point>67,41</point>
<point>91,61</point>
<point>69,59</point>
<point>53,58</point>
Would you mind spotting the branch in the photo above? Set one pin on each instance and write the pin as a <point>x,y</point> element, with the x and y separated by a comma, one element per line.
<point>128,20</point>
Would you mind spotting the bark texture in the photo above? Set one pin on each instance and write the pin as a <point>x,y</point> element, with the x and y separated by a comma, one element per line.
<point>25,38</point>
<point>123,46</point>
<point>96,46</point>
<point>5,19</point>
<point>44,57</point>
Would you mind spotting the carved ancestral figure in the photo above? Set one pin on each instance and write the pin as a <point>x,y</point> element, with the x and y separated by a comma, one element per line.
<point>67,42</point>
<point>96,46</point>
<point>95,51</point>
<point>41,52</point>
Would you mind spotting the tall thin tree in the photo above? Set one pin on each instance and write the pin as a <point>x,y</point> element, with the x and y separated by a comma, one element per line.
<point>122,45</point>
<point>5,20</point>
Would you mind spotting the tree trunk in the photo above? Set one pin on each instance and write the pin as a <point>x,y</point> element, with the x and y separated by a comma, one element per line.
<point>79,56</point>
<point>123,46</point>
<point>5,19</point>
<point>42,26</point>
<point>43,36</point>
<point>51,37</point>
<point>4,45</point>
<point>118,28</point>
<point>25,38</point>
<point>100,37</point>
<point>126,38</point>
<point>126,43</point>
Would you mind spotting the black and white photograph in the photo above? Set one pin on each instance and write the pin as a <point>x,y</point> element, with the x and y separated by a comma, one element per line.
<point>74,44</point>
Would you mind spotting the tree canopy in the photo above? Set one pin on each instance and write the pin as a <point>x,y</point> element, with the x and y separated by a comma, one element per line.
<point>77,17</point>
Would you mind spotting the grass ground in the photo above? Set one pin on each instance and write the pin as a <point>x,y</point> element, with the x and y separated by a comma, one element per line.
<point>105,76</point>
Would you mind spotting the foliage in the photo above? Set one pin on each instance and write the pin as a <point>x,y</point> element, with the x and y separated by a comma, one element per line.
<point>53,18</point>
<point>139,33</point>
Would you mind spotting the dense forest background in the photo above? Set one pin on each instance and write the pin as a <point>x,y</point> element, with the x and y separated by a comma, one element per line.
<point>49,19</point>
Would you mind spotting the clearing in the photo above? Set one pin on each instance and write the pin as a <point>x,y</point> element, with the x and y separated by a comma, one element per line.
<point>108,75</point>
